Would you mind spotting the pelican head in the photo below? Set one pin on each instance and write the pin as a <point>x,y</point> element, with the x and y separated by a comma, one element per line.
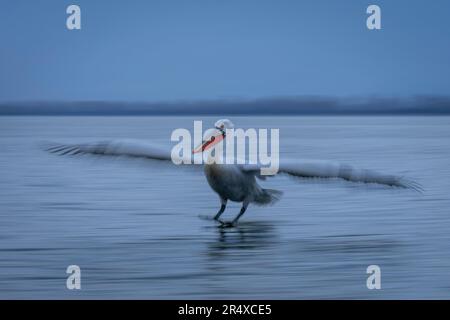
<point>214,135</point>
<point>223,124</point>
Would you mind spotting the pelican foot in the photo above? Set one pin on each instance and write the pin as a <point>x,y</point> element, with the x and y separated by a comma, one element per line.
<point>226,224</point>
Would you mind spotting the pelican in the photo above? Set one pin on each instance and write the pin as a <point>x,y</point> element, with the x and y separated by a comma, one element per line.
<point>233,182</point>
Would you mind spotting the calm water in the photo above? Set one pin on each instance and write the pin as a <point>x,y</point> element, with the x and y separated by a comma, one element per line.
<point>133,226</point>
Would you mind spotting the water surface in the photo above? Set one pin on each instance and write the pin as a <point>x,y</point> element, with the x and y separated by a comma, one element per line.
<point>133,226</point>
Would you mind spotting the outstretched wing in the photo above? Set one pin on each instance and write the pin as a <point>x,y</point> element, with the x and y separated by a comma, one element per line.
<point>130,148</point>
<point>296,168</point>
<point>328,169</point>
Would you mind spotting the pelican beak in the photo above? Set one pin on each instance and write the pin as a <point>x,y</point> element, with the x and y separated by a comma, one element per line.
<point>212,137</point>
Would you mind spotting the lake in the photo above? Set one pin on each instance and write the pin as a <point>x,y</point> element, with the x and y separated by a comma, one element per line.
<point>134,228</point>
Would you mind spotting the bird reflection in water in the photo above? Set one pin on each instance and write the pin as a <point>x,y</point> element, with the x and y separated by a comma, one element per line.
<point>245,236</point>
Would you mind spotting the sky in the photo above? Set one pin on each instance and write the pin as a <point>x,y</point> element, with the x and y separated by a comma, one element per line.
<point>172,50</point>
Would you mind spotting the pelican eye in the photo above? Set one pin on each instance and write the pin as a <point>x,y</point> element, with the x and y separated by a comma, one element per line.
<point>213,138</point>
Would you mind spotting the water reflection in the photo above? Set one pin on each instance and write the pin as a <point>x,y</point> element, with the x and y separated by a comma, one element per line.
<point>245,236</point>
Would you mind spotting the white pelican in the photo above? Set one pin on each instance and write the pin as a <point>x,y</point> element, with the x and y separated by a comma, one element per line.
<point>232,181</point>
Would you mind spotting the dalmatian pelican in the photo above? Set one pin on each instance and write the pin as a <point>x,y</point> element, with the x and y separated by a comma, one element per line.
<point>233,182</point>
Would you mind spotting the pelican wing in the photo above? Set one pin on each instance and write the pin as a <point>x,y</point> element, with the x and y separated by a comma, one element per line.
<point>329,169</point>
<point>130,148</point>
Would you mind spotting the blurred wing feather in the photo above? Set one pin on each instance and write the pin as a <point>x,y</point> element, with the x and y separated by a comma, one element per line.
<point>130,148</point>
<point>329,169</point>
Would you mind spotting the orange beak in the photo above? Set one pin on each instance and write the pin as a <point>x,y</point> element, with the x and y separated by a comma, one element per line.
<point>209,142</point>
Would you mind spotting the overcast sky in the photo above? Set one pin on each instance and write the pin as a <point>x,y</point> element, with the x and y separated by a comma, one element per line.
<point>208,49</point>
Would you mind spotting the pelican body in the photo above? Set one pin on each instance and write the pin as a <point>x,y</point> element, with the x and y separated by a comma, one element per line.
<point>229,181</point>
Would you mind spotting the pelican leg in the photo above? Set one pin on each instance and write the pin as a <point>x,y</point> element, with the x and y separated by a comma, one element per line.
<point>223,205</point>
<point>244,207</point>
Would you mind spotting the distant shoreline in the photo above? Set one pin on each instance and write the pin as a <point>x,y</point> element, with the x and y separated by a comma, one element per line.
<point>419,105</point>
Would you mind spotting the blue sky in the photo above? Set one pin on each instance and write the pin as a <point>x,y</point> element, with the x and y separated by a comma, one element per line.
<point>208,49</point>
